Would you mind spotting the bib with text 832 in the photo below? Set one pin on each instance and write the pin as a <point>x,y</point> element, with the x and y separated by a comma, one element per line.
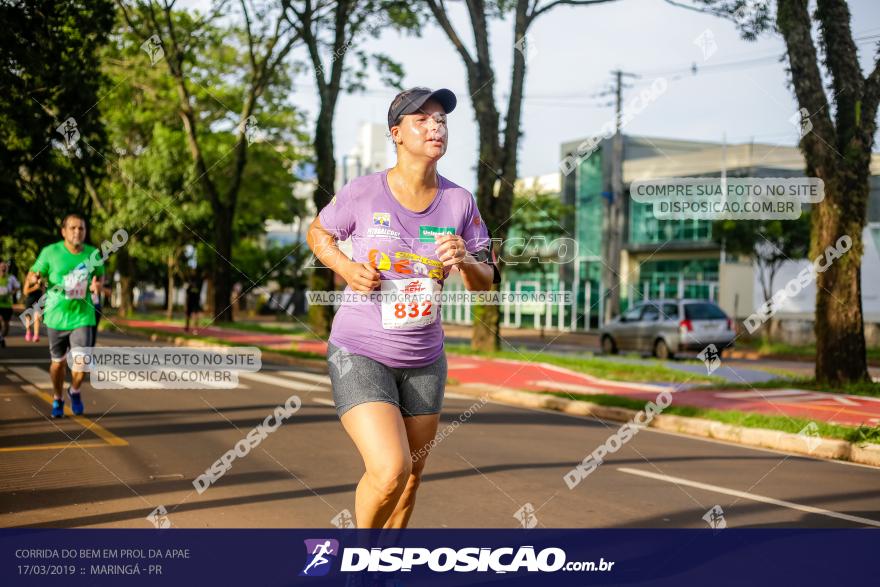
<point>409,303</point>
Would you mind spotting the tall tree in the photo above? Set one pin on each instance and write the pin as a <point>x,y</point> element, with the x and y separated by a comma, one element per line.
<point>497,166</point>
<point>837,139</point>
<point>155,191</point>
<point>264,42</point>
<point>51,77</point>
<point>332,31</point>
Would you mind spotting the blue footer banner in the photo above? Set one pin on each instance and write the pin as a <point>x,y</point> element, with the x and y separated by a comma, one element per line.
<point>398,558</point>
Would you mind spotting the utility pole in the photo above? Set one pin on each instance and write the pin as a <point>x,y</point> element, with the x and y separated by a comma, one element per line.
<point>613,226</point>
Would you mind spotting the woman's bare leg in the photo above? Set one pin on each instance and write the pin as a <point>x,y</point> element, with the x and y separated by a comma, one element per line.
<point>378,432</point>
<point>420,431</point>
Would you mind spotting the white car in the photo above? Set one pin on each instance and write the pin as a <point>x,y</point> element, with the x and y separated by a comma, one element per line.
<point>666,327</point>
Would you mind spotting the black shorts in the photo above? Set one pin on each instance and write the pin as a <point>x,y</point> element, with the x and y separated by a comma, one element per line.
<point>33,299</point>
<point>193,306</point>
<point>6,314</point>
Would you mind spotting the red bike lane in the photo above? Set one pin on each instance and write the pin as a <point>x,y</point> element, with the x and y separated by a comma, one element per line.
<point>848,410</point>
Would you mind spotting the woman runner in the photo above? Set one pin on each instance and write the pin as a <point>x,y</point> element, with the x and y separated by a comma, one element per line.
<point>409,227</point>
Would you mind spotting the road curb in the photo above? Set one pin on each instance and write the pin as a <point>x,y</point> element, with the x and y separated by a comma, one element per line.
<point>826,448</point>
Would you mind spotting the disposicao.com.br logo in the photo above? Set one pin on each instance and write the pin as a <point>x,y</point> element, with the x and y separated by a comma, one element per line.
<point>320,554</point>
<point>323,552</point>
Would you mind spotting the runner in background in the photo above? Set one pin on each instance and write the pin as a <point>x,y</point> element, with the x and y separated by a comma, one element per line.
<point>193,302</point>
<point>71,269</point>
<point>33,291</point>
<point>8,286</point>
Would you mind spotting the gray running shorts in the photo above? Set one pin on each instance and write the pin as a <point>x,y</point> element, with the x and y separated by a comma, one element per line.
<point>358,379</point>
<point>61,341</point>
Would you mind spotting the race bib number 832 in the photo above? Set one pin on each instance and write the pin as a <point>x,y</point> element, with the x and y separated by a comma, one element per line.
<point>408,303</point>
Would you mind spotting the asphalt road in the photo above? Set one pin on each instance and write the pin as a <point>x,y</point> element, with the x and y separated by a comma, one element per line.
<point>138,450</point>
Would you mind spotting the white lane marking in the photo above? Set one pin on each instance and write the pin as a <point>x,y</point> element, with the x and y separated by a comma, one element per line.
<point>279,381</point>
<point>34,375</point>
<point>758,394</point>
<point>326,402</point>
<point>789,395</point>
<point>679,435</point>
<point>310,377</point>
<point>625,385</point>
<point>751,496</point>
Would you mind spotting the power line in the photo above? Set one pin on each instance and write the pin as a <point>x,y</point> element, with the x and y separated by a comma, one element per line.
<point>694,68</point>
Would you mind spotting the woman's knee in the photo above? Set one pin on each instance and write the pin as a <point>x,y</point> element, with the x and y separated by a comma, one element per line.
<point>418,465</point>
<point>391,478</point>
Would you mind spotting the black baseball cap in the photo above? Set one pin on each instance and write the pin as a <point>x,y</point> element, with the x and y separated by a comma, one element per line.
<point>409,101</point>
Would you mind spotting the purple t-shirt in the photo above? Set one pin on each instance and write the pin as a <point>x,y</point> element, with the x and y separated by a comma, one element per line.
<point>400,243</point>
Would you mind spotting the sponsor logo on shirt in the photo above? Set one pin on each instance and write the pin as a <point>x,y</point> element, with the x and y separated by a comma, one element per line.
<point>406,263</point>
<point>413,287</point>
<point>382,219</point>
<point>380,231</point>
<point>427,233</point>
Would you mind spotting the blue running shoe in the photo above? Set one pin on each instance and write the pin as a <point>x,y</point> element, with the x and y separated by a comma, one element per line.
<point>58,408</point>
<point>76,403</point>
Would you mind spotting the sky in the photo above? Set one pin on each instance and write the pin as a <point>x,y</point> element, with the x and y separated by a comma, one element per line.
<point>574,49</point>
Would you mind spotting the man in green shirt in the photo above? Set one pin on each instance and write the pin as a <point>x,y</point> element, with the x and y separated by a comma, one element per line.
<point>72,269</point>
<point>8,286</point>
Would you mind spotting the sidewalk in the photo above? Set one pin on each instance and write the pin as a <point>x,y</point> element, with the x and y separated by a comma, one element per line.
<point>492,373</point>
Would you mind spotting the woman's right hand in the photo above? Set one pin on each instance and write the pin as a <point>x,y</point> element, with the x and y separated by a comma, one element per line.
<point>361,277</point>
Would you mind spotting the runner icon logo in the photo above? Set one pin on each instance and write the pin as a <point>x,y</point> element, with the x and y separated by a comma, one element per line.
<point>159,518</point>
<point>526,516</point>
<point>320,554</point>
<point>343,519</point>
<point>413,287</point>
<point>711,358</point>
<point>715,518</point>
<point>810,435</point>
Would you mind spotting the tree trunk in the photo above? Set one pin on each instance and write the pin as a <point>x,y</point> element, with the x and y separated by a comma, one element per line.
<point>497,168</point>
<point>485,334</point>
<point>169,288</point>
<point>839,328</point>
<point>837,151</point>
<point>126,283</point>
<point>321,278</point>
<point>222,274</point>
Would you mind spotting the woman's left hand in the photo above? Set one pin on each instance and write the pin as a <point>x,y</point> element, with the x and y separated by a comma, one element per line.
<point>451,249</point>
